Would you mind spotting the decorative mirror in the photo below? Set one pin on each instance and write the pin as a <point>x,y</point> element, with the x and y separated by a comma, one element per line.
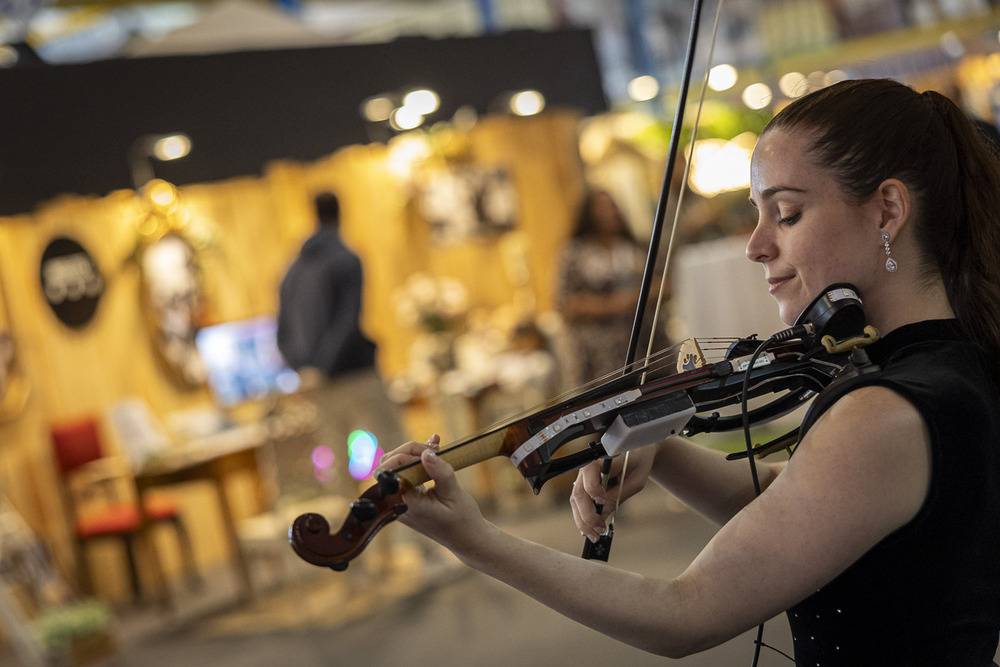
<point>173,299</point>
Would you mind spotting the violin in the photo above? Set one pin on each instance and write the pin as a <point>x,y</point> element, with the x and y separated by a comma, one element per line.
<point>678,391</point>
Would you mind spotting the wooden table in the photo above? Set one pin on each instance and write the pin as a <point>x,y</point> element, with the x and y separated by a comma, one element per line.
<point>212,459</point>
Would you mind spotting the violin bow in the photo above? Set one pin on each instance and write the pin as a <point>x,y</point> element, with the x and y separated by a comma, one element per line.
<point>600,550</point>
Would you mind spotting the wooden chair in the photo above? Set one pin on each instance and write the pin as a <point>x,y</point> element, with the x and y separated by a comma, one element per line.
<point>100,505</point>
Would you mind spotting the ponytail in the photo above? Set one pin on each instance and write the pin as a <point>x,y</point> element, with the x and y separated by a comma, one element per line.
<point>970,265</point>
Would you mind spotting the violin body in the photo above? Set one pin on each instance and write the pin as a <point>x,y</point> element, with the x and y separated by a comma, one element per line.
<point>677,391</point>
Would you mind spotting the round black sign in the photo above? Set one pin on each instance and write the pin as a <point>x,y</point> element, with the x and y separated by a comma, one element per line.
<point>71,282</point>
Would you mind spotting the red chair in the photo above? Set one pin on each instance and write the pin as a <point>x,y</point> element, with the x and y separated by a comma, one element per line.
<point>85,471</point>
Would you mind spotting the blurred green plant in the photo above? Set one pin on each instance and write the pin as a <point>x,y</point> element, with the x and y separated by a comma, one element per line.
<point>718,121</point>
<point>58,627</point>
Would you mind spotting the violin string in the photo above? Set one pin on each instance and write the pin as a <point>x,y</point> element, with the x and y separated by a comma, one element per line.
<point>668,253</point>
<point>712,349</point>
<point>659,360</point>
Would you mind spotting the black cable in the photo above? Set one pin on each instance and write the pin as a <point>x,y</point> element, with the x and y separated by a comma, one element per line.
<point>781,336</point>
<point>780,652</point>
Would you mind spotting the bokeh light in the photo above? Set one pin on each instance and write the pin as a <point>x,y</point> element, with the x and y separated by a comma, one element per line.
<point>793,84</point>
<point>722,77</point>
<point>323,458</point>
<point>363,454</point>
<point>172,148</point>
<point>757,95</point>
<point>643,88</point>
<point>527,103</point>
<point>422,101</point>
<point>405,118</point>
<point>377,109</point>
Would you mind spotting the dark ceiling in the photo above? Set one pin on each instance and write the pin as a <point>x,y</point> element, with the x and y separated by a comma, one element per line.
<point>68,128</point>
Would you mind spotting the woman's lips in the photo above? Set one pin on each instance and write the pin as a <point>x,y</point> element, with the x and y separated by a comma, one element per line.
<point>774,284</point>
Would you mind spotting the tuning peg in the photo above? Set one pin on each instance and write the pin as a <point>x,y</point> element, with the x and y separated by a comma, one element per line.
<point>388,483</point>
<point>363,509</point>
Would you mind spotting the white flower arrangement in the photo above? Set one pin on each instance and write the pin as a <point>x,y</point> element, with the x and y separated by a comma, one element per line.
<point>435,304</point>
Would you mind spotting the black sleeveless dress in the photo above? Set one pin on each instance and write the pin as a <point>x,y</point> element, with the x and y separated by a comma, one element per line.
<point>929,593</point>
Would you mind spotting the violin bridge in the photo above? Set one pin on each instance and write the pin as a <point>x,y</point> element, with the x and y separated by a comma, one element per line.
<point>690,356</point>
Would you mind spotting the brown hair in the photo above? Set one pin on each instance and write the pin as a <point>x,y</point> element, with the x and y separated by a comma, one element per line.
<point>868,130</point>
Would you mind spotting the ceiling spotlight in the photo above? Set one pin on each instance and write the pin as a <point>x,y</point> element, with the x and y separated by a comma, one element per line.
<point>527,103</point>
<point>159,146</point>
<point>377,109</point>
<point>422,101</point>
<point>172,147</point>
<point>404,118</point>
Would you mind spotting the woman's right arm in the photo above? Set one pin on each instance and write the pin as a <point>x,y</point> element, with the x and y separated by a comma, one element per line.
<point>699,477</point>
<point>705,481</point>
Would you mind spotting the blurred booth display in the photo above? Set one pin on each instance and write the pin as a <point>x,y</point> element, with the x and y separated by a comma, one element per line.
<point>71,282</point>
<point>468,202</point>
<point>255,225</point>
<point>173,298</point>
<point>489,369</point>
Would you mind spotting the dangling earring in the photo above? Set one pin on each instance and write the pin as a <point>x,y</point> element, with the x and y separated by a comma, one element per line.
<point>890,263</point>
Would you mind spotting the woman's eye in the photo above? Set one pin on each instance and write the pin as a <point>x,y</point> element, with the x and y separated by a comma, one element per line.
<point>790,219</point>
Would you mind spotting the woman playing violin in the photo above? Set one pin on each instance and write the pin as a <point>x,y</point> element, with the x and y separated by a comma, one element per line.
<point>880,537</point>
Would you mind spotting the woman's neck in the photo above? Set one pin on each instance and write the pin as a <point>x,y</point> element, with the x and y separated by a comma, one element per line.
<point>904,304</point>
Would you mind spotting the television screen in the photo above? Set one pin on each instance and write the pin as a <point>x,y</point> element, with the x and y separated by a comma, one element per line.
<point>243,361</point>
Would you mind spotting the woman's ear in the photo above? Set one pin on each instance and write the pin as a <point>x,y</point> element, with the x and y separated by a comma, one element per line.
<point>893,198</point>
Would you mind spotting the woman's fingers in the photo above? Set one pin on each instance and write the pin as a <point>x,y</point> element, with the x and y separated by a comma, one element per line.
<point>444,511</point>
<point>407,453</point>
<point>591,524</point>
<point>441,472</point>
<point>589,477</point>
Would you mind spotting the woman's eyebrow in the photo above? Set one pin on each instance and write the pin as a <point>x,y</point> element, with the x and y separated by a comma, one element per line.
<point>773,190</point>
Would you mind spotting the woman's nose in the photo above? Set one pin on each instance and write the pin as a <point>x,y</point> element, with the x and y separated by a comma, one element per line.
<point>759,247</point>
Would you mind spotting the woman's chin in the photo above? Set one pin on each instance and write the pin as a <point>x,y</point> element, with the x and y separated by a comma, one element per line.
<point>789,313</point>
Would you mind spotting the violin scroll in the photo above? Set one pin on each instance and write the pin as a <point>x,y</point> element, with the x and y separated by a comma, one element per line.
<point>310,535</point>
